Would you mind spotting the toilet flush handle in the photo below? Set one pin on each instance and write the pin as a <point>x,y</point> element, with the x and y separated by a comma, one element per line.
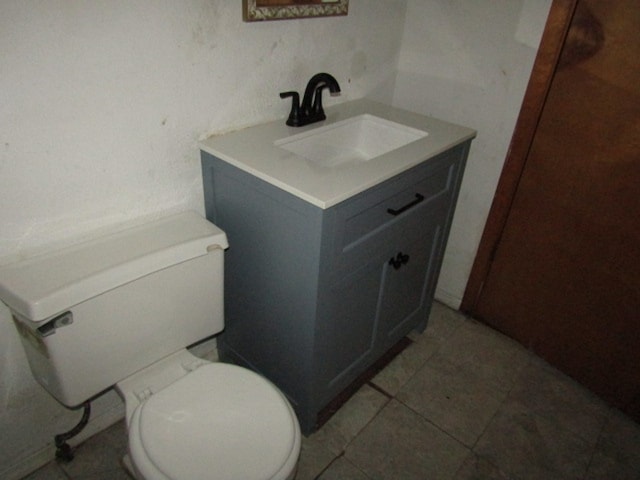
<point>50,327</point>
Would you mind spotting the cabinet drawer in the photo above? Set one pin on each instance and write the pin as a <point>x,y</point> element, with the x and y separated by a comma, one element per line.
<point>381,212</point>
<point>369,223</point>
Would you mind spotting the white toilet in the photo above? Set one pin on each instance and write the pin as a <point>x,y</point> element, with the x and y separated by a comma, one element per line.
<point>120,311</point>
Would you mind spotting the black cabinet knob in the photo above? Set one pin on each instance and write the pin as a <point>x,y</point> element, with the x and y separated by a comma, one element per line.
<point>399,260</point>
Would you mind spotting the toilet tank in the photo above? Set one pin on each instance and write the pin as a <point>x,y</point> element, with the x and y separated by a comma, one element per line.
<point>92,314</point>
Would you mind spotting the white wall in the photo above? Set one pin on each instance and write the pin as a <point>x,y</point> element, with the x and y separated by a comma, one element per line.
<point>469,62</point>
<point>102,104</point>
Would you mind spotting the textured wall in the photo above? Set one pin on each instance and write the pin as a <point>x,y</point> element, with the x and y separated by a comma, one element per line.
<point>469,63</point>
<point>102,104</point>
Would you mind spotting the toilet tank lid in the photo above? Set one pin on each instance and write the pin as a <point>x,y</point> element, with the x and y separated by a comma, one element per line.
<point>46,285</point>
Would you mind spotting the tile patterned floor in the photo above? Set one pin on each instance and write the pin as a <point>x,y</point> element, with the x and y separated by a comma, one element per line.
<point>461,402</point>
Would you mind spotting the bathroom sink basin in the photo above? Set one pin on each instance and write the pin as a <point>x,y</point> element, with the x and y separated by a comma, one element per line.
<point>356,139</point>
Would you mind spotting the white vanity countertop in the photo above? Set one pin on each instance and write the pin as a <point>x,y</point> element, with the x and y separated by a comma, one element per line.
<point>252,150</point>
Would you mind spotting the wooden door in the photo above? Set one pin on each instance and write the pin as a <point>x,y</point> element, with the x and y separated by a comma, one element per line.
<point>562,276</point>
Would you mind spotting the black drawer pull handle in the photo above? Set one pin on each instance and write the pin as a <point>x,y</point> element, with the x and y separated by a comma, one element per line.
<point>399,260</point>
<point>409,205</point>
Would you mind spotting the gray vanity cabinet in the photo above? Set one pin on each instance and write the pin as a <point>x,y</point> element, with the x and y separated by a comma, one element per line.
<point>314,296</point>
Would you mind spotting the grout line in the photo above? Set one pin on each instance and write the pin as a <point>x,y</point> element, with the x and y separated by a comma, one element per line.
<point>379,389</point>
<point>504,401</point>
<point>596,444</point>
<point>344,449</point>
<point>339,400</point>
<point>341,454</point>
<point>435,425</point>
<point>62,471</point>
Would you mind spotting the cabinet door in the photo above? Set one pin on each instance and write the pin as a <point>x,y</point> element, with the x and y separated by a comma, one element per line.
<point>408,279</point>
<point>347,333</point>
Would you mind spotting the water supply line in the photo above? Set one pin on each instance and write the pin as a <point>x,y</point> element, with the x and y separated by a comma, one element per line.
<point>64,452</point>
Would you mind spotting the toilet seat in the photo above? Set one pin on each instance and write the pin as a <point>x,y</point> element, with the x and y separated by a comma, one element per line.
<point>219,421</point>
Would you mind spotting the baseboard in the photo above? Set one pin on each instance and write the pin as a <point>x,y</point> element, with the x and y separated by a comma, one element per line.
<point>448,299</point>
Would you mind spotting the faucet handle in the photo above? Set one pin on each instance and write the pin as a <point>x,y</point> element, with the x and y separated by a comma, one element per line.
<point>317,102</point>
<point>294,115</point>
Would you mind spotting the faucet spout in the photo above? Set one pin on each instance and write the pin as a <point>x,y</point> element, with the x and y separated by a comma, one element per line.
<point>310,110</point>
<point>314,88</point>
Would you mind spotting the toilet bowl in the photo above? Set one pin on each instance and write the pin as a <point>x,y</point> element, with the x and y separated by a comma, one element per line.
<point>215,421</point>
<point>192,419</point>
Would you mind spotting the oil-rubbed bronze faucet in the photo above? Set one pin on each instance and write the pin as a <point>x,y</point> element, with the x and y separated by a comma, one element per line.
<point>311,110</point>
